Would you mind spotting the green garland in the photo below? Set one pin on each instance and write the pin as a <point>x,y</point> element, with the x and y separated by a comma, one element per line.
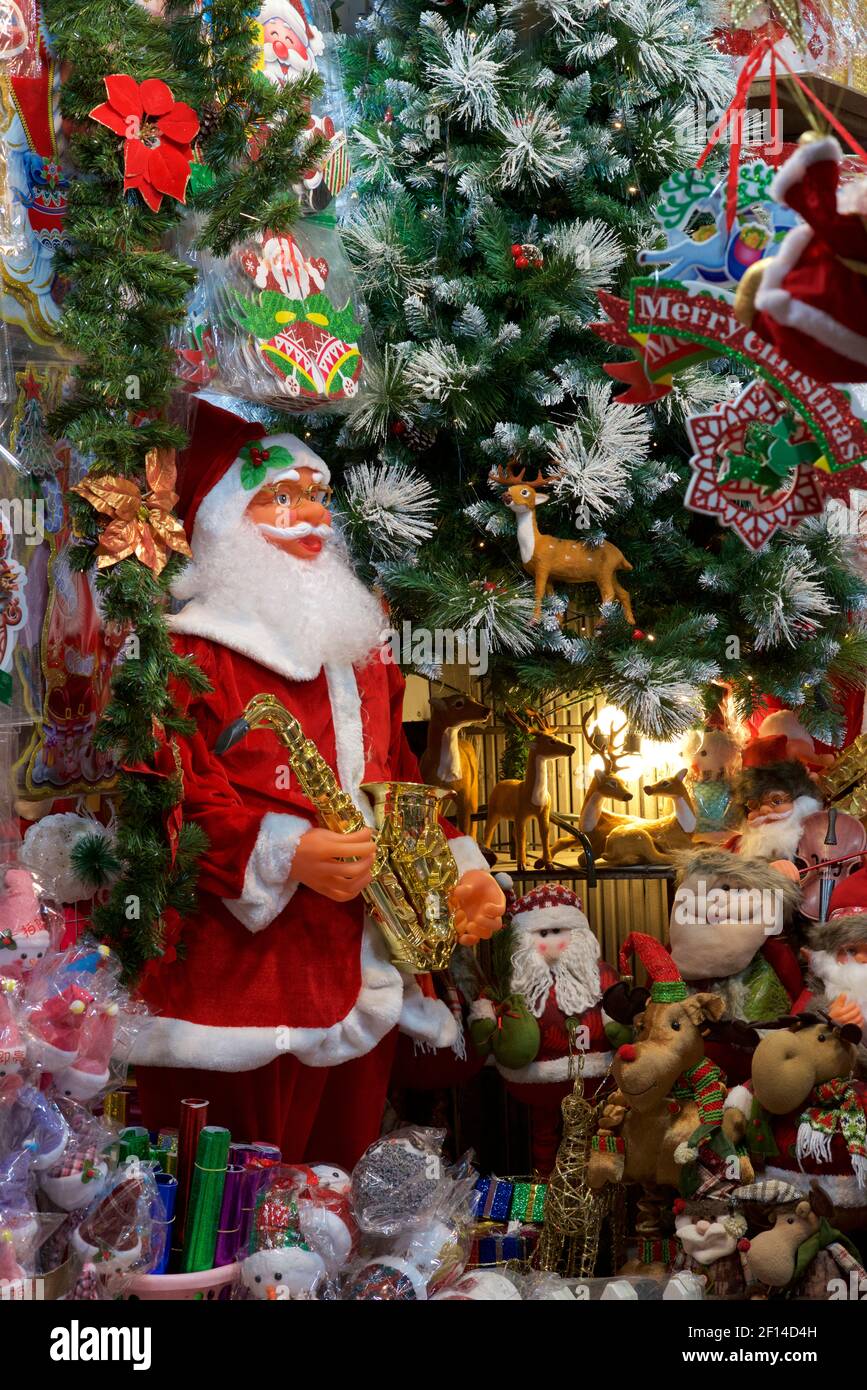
<point>126,294</point>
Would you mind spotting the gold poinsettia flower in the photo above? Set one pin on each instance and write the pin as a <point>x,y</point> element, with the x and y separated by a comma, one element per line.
<point>141,523</point>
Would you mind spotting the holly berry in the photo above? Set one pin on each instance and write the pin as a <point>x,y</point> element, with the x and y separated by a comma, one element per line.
<point>521,262</point>
<point>389,115</point>
<point>638,635</point>
<point>516,249</point>
<point>398,427</point>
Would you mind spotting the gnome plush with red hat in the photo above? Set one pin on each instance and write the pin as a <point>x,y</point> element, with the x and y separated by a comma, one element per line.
<point>285,1007</point>
<point>557,970</point>
<point>810,299</point>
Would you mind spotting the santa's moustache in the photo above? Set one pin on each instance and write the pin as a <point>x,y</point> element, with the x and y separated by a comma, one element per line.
<point>316,608</point>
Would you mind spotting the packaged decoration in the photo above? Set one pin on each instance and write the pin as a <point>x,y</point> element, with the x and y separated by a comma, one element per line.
<point>31,922</point>
<point>286,331</point>
<point>299,1236</point>
<point>81,1172</point>
<point>398,1181</point>
<point>63,994</point>
<point>122,1231</point>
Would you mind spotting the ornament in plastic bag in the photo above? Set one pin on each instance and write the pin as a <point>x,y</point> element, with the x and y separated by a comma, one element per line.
<point>123,1231</point>
<point>61,992</point>
<point>438,1244</point>
<point>398,1180</point>
<point>284,324</point>
<point>81,1173</point>
<point>482,1285</point>
<point>34,1123</point>
<point>31,923</point>
<point>13,1053</point>
<point>47,850</point>
<point>293,38</point>
<point>388,1279</point>
<point>12,1276</point>
<point>281,1264</point>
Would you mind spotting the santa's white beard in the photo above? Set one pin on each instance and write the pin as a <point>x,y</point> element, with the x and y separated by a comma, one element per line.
<point>574,975</point>
<point>779,839</point>
<point>255,598</point>
<point>849,979</point>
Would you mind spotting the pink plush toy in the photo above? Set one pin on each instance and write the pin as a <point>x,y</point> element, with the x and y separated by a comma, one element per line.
<point>91,1070</point>
<point>55,1028</point>
<point>29,927</point>
<point>12,1050</point>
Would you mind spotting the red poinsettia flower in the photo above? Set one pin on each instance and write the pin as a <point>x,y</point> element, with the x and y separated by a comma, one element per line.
<point>157,131</point>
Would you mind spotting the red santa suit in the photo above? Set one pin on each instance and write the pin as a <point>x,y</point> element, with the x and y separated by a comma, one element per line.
<point>284,1009</point>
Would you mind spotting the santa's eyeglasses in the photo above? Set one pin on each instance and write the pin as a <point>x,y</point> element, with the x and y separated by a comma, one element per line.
<point>756,803</point>
<point>287,496</point>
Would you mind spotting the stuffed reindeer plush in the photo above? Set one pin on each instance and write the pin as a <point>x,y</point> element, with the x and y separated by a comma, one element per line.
<point>801,1234</point>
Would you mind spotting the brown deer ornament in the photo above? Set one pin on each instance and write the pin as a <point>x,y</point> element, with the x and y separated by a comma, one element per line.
<point>450,761</point>
<point>546,558</point>
<point>520,800</point>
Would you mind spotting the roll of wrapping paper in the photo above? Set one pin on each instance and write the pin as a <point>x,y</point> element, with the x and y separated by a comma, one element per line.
<point>194,1113</point>
<point>206,1196</point>
<point>229,1228</point>
<point>166,1160</point>
<point>167,1191</point>
<point>267,1150</point>
<point>115,1107</point>
<point>168,1139</point>
<point>134,1140</point>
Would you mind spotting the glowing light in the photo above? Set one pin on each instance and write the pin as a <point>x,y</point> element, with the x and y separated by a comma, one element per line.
<point>610,717</point>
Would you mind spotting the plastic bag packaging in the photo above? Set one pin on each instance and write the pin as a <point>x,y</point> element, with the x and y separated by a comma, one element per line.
<point>33,1123</point>
<point>398,1181</point>
<point>81,1174</point>
<point>301,1236</point>
<point>438,1244</point>
<point>67,994</point>
<point>122,1232</point>
<point>287,331</point>
<point>19,38</point>
<point>293,39</point>
<point>480,1286</point>
<point>386,1279</point>
<point>31,923</point>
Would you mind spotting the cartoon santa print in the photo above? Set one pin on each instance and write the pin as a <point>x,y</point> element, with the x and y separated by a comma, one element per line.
<point>285,1008</point>
<point>290,43</point>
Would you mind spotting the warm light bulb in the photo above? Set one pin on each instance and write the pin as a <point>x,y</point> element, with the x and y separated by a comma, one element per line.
<point>663,757</point>
<point>610,717</point>
<point>595,764</point>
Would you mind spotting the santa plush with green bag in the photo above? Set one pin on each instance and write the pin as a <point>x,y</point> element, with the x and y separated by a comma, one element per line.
<point>555,985</point>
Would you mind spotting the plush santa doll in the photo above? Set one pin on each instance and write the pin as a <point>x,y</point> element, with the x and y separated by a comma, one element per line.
<point>776,796</point>
<point>557,969</point>
<point>836,957</point>
<point>810,299</point>
<point>285,1006</point>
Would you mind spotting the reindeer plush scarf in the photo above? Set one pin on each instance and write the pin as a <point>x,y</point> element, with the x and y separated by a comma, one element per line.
<point>835,1107</point>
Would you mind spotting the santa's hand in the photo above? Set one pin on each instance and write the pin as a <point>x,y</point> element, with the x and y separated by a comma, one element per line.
<point>335,865</point>
<point>844,1010</point>
<point>478,904</point>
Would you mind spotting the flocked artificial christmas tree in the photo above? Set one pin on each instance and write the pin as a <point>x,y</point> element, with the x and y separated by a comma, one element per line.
<point>506,155</point>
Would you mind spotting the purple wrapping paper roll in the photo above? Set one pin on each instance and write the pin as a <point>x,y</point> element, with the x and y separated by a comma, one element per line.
<point>252,1180</point>
<point>229,1227</point>
<point>241,1154</point>
<point>264,1150</point>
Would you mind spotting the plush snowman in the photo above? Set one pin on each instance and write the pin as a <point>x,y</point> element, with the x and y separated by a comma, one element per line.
<point>288,1271</point>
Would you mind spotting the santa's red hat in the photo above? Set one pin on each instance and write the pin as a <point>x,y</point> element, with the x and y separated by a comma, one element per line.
<point>666,985</point>
<point>549,907</point>
<point>226,462</point>
<point>760,752</point>
<point>850,895</point>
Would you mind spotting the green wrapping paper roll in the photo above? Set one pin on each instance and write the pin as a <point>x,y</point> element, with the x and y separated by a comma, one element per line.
<point>134,1140</point>
<point>206,1196</point>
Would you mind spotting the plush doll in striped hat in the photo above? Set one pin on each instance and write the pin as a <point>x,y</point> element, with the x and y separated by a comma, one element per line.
<point>557,971</point>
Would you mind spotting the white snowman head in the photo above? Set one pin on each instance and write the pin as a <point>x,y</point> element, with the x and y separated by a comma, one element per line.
<point>285,1272</point>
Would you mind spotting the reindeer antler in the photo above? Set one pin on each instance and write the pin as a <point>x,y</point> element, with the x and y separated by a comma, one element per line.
<point>512,718</point>
<point>604,744</point>
<point>511,474</point>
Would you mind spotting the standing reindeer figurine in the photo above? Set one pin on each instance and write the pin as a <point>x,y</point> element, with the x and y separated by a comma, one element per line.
<point>518,801</point>
<point>450,761</point>
<point>546,558</point>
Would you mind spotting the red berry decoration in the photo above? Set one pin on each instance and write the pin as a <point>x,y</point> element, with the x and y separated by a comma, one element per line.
<point>521,262</point>
<point>516,248</point>
<point>399,427</point>
<point>389,115</point>
<point>743,1245</point>
<point>638,635</point>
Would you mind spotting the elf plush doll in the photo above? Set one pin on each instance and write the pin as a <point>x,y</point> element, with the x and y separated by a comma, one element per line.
<point>810,299</point>
<point>285,1007</point>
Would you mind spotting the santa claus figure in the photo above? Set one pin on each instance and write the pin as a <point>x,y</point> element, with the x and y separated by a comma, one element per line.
<point>290,43</point>
<point>776,796</point>
<point>836,958</point>
<point>556,967</point>
<point>285,1007</point>
<point>810,299</point>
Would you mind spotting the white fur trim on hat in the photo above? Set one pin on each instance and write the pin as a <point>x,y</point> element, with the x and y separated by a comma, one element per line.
<point>794,169</point>
<point>223,507</point>
<point>267,889</point>
<point>739,1098</point>
<point>290,13</point>
<point>559,918</point>
<point>784,309</point>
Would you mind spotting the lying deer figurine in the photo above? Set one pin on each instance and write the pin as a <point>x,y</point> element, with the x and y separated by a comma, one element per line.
<point>547,558</point>
<point>654,841</point>
<point>521,800</point>
<point>450,761</point>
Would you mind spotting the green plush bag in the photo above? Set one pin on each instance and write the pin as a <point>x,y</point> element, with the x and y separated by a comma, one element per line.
<point>513,1036</point>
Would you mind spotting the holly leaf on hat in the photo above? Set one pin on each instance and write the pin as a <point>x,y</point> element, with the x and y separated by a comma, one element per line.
<point>257,461</point>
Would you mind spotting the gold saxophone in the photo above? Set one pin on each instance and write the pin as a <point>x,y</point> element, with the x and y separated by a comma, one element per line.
<point>414,870</point>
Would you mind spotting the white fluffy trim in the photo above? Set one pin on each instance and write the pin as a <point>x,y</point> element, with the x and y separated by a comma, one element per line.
<point>796,167</point>
<point>426,1020</point>
<point>556,1069</point>
<point>561,918</point>
<point>739,1098</point>
<point>175,1042</point>
<point>467,854</point>
<point>266,888</point>
<point>814,323</point>
<point>843,1191</point>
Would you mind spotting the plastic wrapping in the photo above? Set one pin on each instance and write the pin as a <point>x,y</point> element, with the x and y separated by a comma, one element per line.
<point>31,922</point>
<point>398,1182</point>
<point>482,1285</point>
<point>123,1231</point>
<point>19,38</point>
<point>81,1173</point>
<point>286,330</point>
